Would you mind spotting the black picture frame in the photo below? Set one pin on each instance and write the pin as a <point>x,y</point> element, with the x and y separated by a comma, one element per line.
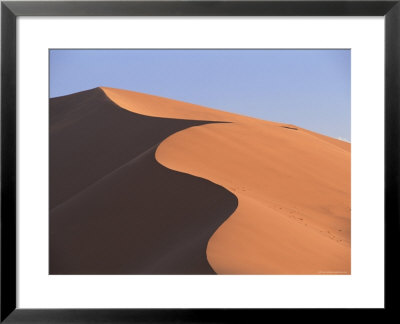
<point>10,10</point>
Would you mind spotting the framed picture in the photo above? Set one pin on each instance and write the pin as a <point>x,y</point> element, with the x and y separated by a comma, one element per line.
<point>198,161</point>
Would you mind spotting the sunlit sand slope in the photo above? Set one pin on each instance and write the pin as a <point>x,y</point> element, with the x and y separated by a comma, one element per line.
<point>293,188</point>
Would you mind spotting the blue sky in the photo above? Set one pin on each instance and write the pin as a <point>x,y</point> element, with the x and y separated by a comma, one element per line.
<point>307,88</point>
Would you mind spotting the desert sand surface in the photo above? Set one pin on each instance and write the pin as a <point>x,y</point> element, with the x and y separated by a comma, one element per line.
<point>292,186</point>
<point>113,208</point>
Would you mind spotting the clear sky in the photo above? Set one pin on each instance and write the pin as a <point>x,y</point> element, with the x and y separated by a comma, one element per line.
<point>307,88</point>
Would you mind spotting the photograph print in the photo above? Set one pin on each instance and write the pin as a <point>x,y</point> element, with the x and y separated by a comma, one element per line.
<point>199,161</point>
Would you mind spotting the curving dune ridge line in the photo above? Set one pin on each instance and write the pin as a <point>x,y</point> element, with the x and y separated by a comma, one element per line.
<point>293,187</point>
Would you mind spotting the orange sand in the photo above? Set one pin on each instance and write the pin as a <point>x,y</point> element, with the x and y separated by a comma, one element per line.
<point>293,187</point>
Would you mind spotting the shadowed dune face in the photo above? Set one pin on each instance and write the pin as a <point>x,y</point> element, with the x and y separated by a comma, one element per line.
<point>293,188</point>
<point>113,208</point>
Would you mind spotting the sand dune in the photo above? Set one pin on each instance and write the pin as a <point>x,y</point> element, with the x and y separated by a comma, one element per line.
<point>292,185</point>
<point>113,208</point>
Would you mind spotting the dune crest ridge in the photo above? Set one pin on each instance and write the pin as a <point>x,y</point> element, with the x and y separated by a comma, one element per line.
<point>293,187</point>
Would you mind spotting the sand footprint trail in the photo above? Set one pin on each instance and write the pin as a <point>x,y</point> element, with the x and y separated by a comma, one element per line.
<point>293,187</point>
